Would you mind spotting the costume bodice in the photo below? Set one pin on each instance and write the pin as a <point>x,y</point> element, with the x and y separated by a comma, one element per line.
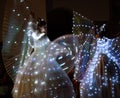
<point>40,42</point>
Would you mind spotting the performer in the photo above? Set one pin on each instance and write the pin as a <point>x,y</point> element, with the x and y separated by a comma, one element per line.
<point>101,76</point>
<point>41,77</point>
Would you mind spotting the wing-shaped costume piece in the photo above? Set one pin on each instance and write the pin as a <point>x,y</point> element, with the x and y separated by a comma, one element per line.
<point>73,44</point>
<point>87,47</point>
<point>66,58</point>
<point>14,35</point>
<point>81,24</point>
<point>83,27</point>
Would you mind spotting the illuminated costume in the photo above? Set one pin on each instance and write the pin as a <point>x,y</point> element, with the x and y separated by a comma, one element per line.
<point>41,76</point>
<point>101,78</point>
<point>98,74</point>
<point>98,62</point>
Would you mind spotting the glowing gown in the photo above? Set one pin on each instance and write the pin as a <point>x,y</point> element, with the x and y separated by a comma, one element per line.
<point>101,78</point>
<point>42,77</point>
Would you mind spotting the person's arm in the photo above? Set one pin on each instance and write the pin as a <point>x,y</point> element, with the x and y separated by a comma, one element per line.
<point>30,30</point>
<point>37,36</point>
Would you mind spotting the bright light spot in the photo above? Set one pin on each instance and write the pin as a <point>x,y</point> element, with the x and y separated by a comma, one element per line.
<point>36,72</point>
<point>25,19</point>
<point>35,90</point>
<point>18,14</point>
<point>21,0</point>
<point>16,59</point>
<point>16,91</point>
<point>36,82</point>
<point>8,41</point>
<point>13,10</point>
<point>27,7</point>
<point>43,83</point>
